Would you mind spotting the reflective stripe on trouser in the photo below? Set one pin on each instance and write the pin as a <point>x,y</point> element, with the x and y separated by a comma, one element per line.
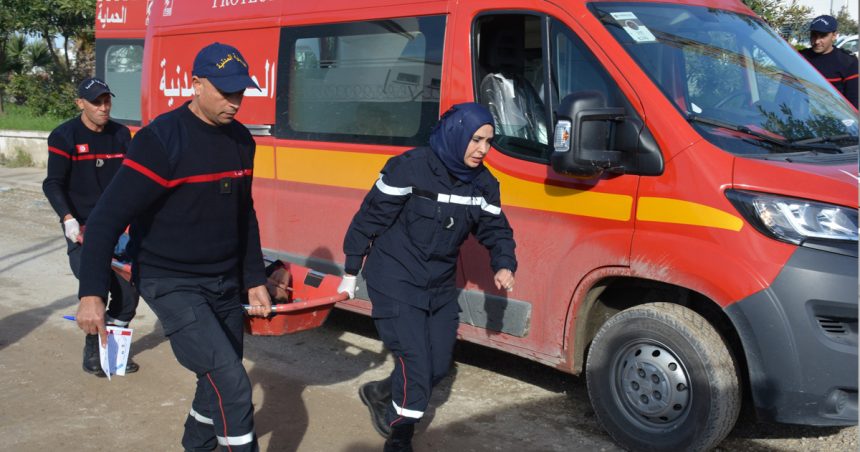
<point>203,319</point>
<point>123,300</point>
<point>422,343</point>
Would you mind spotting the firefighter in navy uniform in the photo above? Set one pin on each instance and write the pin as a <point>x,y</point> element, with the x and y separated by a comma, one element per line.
<point>185,187</point>
<point>836,65</point>
<point>84,154</point>
<point>411,226</point>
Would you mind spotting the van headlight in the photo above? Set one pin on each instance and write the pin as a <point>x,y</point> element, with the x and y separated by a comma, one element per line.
<point>795,220</point>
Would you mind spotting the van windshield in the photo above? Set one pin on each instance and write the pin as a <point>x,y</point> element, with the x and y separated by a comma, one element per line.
<point>741,85</point>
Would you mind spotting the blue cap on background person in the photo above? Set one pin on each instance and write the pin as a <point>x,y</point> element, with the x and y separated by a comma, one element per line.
<point>823,24</point>
<point>224,67</point>
<point>91,88</point>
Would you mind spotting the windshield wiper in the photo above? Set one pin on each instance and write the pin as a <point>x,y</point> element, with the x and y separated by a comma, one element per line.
<point>828,139</point>
<point>784,144</point>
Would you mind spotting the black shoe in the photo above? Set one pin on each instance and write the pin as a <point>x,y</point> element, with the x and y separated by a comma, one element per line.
<point>131,366</point>
<point>377,396</point>
<point>400,439</point>
<point>92,363</point>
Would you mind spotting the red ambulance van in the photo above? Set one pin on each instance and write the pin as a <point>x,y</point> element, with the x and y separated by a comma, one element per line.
<point>681,183</point>
<point>120,29</point>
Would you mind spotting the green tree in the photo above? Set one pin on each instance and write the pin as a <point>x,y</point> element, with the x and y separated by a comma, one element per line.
<point>847,25</point>
<point>788,17</point>
<point>69,20</point>
<point>64,29</point>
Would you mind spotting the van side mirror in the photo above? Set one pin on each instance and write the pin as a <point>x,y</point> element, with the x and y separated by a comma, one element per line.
<point>584,135</point>
<point>591,138</point>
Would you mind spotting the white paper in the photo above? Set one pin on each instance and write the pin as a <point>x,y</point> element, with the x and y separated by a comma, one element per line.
<point>634,27</point>
<point>114,357</point>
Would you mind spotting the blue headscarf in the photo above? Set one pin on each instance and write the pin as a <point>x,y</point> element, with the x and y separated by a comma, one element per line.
<point>452,134</point>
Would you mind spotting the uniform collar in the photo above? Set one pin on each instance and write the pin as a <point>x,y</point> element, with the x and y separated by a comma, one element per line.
<point>442,172</point>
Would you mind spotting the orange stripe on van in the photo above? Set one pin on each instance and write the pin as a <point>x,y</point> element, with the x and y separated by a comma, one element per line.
<point>359,170</point>
<point>264,162</point>
<point>333,168</point>
<point>667,210</point>
<point>588,203</point>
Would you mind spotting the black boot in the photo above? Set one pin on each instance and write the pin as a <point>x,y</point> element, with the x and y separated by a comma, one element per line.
<point>131,366</point>
<point>92,363</point>
<point>377,396</point>
<point>400,439</point>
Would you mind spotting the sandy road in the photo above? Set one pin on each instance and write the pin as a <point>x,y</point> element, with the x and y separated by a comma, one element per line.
<point>304,385</point>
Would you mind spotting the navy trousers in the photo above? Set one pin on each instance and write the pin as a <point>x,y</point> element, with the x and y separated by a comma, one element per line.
<point>203,319</point>
<point>123,300</point>
<point>422,342</point>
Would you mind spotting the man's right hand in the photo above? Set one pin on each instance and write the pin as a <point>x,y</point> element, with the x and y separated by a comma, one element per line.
<point>91,317</point>
<point>72,228</point>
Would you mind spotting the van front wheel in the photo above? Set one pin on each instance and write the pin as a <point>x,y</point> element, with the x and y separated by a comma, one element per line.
<point>661,378</point>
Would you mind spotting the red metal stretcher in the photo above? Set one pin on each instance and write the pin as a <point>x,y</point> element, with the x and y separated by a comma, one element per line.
<point>310,298</point>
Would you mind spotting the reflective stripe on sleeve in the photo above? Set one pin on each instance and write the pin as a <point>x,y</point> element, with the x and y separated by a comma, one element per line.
<point>235,440</point>
<point>201,418</point>
<point>390,190</point>
<point>407,412</point>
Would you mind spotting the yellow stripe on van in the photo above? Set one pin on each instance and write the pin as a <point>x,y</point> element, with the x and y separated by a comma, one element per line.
<point>534,195</point>
<point>264,162</point>
<point>360,170</point>
<point>332,168</point>
<point>666,210</point>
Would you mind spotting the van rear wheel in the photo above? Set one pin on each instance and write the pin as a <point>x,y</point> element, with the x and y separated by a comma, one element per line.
<point>661,378</point>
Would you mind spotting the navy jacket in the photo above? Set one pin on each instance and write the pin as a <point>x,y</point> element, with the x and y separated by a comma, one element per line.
<point>839,68</point>
<point>414,220</point>
<point>185,188</point>
<point>81,164</point>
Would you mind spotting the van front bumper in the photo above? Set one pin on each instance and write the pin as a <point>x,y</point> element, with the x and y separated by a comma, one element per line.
<point>800,340</point>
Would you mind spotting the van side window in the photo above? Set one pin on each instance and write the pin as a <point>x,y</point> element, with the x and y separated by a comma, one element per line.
<point>363,82</point>
<point>575,69</point>
<point>510,82</point>
<point>512,79</point>
<point>123,63</point>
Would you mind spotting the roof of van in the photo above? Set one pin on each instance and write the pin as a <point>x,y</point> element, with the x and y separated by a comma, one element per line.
<point>258,13</point>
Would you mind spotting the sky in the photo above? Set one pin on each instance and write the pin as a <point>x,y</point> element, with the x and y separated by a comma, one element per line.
<point>823,6</point>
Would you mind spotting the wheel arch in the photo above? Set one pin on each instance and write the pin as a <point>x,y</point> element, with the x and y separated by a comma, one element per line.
<point>612,290</point>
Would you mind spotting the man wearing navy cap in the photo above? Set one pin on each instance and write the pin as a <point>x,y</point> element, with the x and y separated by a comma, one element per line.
<point>84,154</point>
<point>836,65</point>
<point>185,188</point>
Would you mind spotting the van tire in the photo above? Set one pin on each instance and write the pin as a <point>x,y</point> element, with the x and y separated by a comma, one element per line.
<point>661,378</point>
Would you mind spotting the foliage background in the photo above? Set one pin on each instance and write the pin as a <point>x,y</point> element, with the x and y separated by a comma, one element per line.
<point>46,49</point>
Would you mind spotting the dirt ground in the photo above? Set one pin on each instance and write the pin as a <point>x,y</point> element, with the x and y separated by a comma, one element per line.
<point>304,384</point>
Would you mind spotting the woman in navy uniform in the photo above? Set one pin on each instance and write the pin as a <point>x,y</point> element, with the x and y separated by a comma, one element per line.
<point>411,226</point>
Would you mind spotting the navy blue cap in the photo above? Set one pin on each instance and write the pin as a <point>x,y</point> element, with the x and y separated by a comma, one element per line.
<point>224,67</point>
<point>823,24</point>
<point>91,88</point>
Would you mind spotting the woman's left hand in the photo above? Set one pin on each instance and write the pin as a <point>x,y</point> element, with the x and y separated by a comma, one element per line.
<point>504,279</point>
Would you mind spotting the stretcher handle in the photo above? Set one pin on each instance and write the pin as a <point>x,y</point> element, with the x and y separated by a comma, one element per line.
<point>306,304</point>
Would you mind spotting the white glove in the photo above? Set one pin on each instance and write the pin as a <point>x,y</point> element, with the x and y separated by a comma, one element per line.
<point>72,228</point>
<point>347,284</point>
